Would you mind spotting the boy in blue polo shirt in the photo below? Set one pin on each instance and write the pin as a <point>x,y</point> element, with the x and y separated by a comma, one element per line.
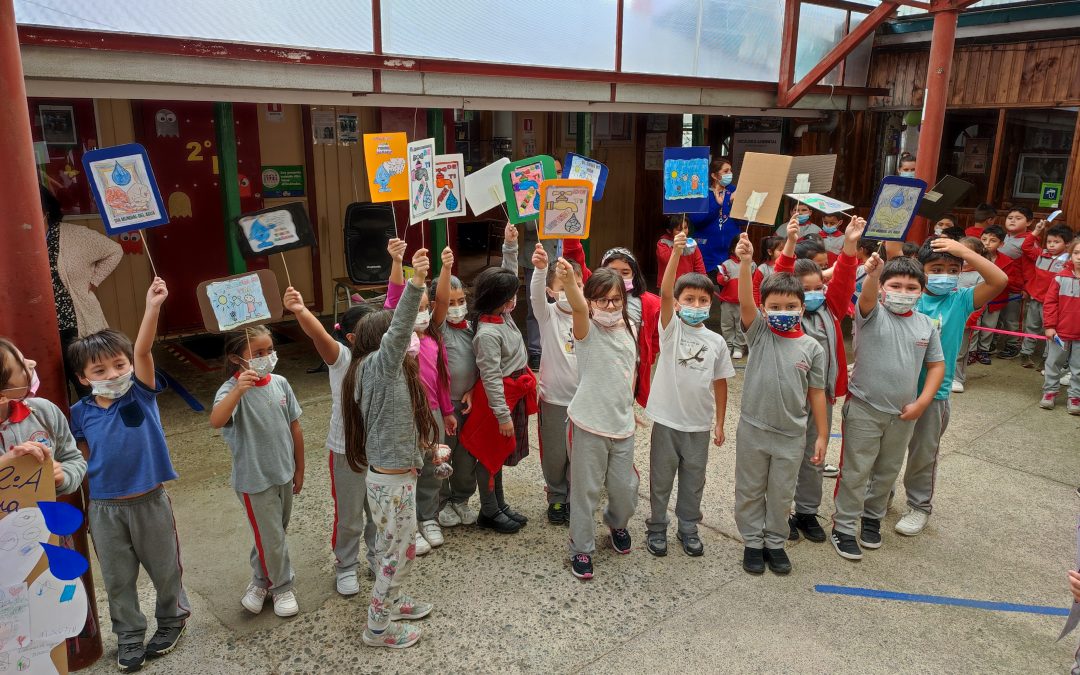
<point>117,426</point>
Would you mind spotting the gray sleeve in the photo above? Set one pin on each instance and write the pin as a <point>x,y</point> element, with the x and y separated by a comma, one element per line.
<point>223,391</point>
<point>933,349</point>
<point>489,362</point>
<point>510,257</point>
<point>72,463</point>
<point>291,404</point>
<point>395,342</point>
<point>815,379</point>
<point>756,330</point>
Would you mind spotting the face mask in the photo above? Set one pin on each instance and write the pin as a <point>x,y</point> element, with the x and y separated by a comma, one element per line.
<point>423,319</point>
<point>940,284</point>
<point>457,314</point>
<point>694,315</point>
<point>829,230</point>
<point>802,218</point>
<point>606,318</point>
<point>628,284</point>
<point>725,179</point>
<point>784,320</point>
<point>562,303</point>
<point>34,384</point>
<point>814,300</point>
<point>900,303</point>
<point>263,365</point>
<point>414,346</point>
<point>113,389</point>
<point>907,174</point>
<point>690,246</point>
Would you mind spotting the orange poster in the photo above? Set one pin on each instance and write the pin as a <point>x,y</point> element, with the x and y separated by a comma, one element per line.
<point>384,155</point>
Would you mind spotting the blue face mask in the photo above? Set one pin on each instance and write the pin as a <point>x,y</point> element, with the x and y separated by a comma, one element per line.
<point>694,315</point>
<point>783,320</point>
<point>940,284</point>
<point>725,179</point>
<point>829,230</point>
<point>802,218</point>
<point>814,300</point>
<point>907,174</point>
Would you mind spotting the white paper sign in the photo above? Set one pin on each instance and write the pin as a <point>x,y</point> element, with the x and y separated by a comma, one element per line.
<point>449,186</point>
<point>237,302</point>
<point>820,202</point>
<point>420,163</point>
<point>21,536</point>
<point>484,188</point>
<point>14,617</point>
<point>268,230</point>
<point>33,660</point>
<point>57,609</point>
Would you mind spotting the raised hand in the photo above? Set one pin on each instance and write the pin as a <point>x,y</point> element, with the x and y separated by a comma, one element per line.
<point>854,231</point>
<point>157,292</point>
<point>873,266</point>
<point>679,244</point>
<point>744,250</point>
<point>396,249</point>
<point>510,234</point>
<point>421,266</point>
<point>293,301</point>
<point>540,258</point>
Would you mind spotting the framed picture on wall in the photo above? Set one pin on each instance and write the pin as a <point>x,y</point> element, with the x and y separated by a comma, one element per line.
<point>1032,170</point>
<point>58,124</point>
<point>977,146</point>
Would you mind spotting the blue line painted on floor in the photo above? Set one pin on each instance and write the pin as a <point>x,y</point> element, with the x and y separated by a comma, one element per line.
<point>941,600</point>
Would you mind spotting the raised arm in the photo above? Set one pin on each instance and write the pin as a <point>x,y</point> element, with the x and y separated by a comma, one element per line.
<point>576,298</point>
<point>510,248</point>
<point>667,286</point>
<point>994,278</point>
<point>144,343</point>
<point>396,249</point>
<point>748,309</point>
<point>868,296</point>
<point>442,289</point>
<point>791,234</point>
<point>325,343</point>
<point>842,285</point>
<point>395,342</point>
<point>538,289</point>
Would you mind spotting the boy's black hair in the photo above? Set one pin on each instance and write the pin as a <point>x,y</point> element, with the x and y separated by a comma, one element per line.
<point>868,246</point>
<point>347,323</point>
<point>928,255</point>
<point>1024,211</point>
<point>903,266</point>
<point>910,250</point>
<point>675,220</point>
<point>101,344</point>
<point>732,245</point>
<point>984,212</point>
<point>808,248</point>
<point>494,287</point>
<point>552,269</point>
<point>806,267</point>
<point>995,231</point>
<point>782,283</point>
<point>696,281</point>
<point>956,232</point>
<point>1063,231</point>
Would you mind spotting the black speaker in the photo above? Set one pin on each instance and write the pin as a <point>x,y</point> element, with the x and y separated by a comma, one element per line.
<point>369,228</point>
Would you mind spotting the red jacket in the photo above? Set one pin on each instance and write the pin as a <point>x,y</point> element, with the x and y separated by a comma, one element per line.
<point>1016,281</point>
<point>1061,308</point>
<point>974,231</point>
<point>727,277</point>
<point>837,300</point>
<point>687,263</point>
<point>763,271</point>
<point>1044,268</point>
<point>480,433</point>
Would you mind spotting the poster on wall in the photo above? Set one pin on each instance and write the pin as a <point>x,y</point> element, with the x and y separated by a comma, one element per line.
<point>421,169</point>
<point>484,188</point>
<point>58,124</point>
<point>124,188</point>
<point>449,186</point>
<point>385,160</point>
<point>282,181</point>
<point>686,180</point>
<point>241,300</point>
<point>580,167</point>
<point>521,186</point>
<point>274,230</point>
<point>565,208</point>
<point>895,206</point>
<point>348,129</point>
<point>322,127</point>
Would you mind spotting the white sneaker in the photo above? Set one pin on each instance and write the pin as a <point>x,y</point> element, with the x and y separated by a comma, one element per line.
<point>1064,381</point>
<point>398,635</point>
<point>449,517</point>
<point>347,583</point>
<point>912,523</point>
<point>285,604</point>
<point>429,529</point>
<point>468,516</point>
<point>957,387</point>
<point>254,598</point>
<point>422,545</point>
<point>737,354</point>
<point>408,608</point>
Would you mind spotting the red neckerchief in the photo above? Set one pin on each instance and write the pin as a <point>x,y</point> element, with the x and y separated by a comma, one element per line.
<point>793,333</point>
<point>258,383</point>
<point>17,412</point>
<point>460,325</point>
<point>491,318</point>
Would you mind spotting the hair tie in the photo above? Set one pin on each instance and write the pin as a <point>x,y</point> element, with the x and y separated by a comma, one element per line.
<point>617,250</point>
<point>337,326</point>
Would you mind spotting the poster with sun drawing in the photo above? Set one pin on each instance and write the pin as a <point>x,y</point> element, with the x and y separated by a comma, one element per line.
<point>124,188</point>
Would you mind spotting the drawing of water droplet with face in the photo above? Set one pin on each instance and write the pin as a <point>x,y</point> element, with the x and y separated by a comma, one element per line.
<point>120,175</point>
<point>166,124</point>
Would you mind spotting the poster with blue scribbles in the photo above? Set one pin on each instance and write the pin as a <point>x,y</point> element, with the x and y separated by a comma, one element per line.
<point>124,188</point>
<point>274,230</point>
<point>686,180</point>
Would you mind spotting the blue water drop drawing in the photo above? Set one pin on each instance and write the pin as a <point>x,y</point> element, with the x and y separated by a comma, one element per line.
<point>62,519</point>
<point>64,563</point>
<point>897,200</point>
<point>120,175</point>
<point>451,202</point>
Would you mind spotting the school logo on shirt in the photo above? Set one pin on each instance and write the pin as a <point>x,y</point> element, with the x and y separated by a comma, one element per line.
<point>922,343</point>
<point>803,366</point>
<point>41,437</point>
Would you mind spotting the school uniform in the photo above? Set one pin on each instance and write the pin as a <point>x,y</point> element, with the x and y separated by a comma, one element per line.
<point>833,242</point>
<point>689,261</point>
<point>763,272</point>
<point>263,463</point>
<point>1011,311</point>
<point>1044,267</point>
<point>992,316</point>
<point>1062,313</point>
<point>130,515</point>
<point>805,230</point>
<point>890,349</point>
<point>461,363</point>
<point>730,317</point>
<point>683,409</point>
<point>772,429</point>
<point>968,279</point>
<point>39,420</point>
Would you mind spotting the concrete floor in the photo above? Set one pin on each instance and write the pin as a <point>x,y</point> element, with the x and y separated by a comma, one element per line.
<point>1003,531</point>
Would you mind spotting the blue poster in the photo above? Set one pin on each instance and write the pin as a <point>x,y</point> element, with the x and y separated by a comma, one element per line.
<point>582,168</point>
<point>895,206</point>
<point>124,188</point>
<point>686,180</point>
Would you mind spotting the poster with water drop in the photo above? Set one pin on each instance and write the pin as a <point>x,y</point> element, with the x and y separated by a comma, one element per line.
<point>124,188</point>
<point>895,206</point>
<point>449,186</point>
<point>421,156</point>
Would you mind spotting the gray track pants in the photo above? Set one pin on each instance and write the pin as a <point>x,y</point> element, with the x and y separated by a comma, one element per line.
<point>268,514</point>
<point>352,518</point>
<point>730,325</point>
<point>598,462</point>
<point>1061,360</point>
<point>922,457</point>
<point>682,453</point>
<point>766,469</point>
<point>462,483</point>
<point>554,460</point>
<point>1033,325</point>
<point>808,486</point>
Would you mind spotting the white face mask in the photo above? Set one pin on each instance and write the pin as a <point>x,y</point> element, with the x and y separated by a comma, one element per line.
<point>263,365</point>
<point>457,314</point>
<point>606,318</point>
<point>423,319</point>
<point>628,284</point>
<point>115,388</point>
<point>900,303</point>
<point>562,303</point>
<point>414,346</point>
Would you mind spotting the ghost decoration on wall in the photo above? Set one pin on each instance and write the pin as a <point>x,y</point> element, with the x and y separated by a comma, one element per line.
<point>131,243</point>
<point>179,205</point>
<point>167,124</point>
<point>245,186</point>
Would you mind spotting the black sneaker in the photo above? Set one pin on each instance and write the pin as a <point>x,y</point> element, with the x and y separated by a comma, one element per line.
<point>753,560</point>
<point>1009,352</point>
<point>620,540</point>
<point>130,657</point>
<point>656,542</point>
<point>164,641</point>
<point>793,532</point>
<point>691,544</point>
<point>778,561</point>
<point>870,533</point>
<point>500,522</point>
<point>514,515</point>
<point>581,566</point>
<point>808,524</point>
<point>558,514</point>
<point>846,546</point>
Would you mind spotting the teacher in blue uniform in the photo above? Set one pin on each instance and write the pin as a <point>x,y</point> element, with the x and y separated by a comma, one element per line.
<point>714,230</point>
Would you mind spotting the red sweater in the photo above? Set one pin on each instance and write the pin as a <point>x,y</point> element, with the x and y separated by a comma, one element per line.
<point>687,263</point>
<point>480,434</point>
<point>974,231</point>
<point>728,279</point>
<point>1061,308</point>
<point>1044,268</point>
<point>1016,281</point>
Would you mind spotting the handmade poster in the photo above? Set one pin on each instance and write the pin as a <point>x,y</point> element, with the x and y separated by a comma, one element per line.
<point>521,185</point>
<point>821,202</point>
<point>764,179</point>
<point>421,156</point>
<point>483,188</point>
<point>347,129</point>
<point>14,617</point>
<point>385,159</point>
<point>124,188</point>
<point>240,300</point>
<point>274,230</point>
<point>322,127</point>
<point>580,167</point>
<point>565,208</point>
<point>943,197</point>
<point>895,207</point>
<point>449,186</point>
<point>686,180</point>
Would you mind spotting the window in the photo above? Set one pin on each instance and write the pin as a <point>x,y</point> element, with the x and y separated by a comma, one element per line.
<point>967,150</point>
<point>1035,151</point>
<point>63,129</point>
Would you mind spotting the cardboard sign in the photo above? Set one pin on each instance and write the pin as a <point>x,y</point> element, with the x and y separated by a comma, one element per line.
<point>565,208</point>
<point>421,180</point>
<point>686,180</point>
<point>764,179</point>
<point>247,299</point>
<point>521,186</point>
<point>449,186</point>
<point>124,188</point>
<point>821,202</point>
<point>580,167</point>
<point>274,230</point>
<point>943,197</point>
<point>895,206</point>
<point>483,188</point>
<point>386,163</point>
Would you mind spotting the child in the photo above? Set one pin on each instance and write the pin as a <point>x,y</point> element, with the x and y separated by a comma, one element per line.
<point>948,307</point>
<point>906,166</point>
<point>601,413</point>
<point>643,309</point>
<point>1046,262</point>
<point>346,486</point>
<point>946,222</point>
<point>826,306</point>
<point>259,419</point>
<point>770,253</point>
<point>865,249</point>
<point>785,382</point>
<point>559,376</point>
<point>389,427</point>
<point>992,237</point>
<point>1017,223</point>
<point>728,279</point>
<point>832,235</point>
<point>891,342</point>
<point>812,249</point>
<point>1061,322</point>
<point>118,429</point>
<point>690,401</point>
<point>983,216</point>
<point>800,213</point>
<point>969,278</point>
<point>910,250</point>
<point>955,232</point>
<point>691,260</point>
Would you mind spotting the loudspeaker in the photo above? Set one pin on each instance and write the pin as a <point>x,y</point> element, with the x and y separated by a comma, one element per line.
<point>369,228</point>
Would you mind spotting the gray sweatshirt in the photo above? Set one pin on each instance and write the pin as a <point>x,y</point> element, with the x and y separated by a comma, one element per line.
<point>500,351</point>
<point>47,425</point>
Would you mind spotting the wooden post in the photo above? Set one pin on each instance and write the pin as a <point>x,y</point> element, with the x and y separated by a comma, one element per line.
<point>1070,204</point>
<point>995,163</point>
